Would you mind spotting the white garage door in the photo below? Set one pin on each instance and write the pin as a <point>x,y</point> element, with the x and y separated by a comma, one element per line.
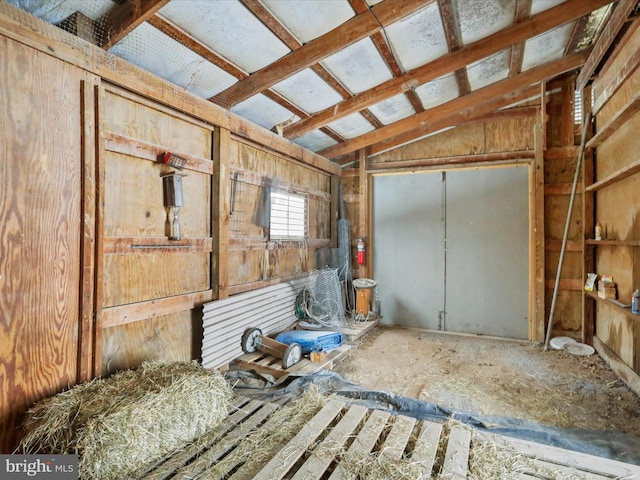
<point>451,250</point>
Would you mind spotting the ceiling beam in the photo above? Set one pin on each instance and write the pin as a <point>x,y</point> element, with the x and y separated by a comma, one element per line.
<point>488,111</point>
<point>519,32</point>
<point>121,20</point>
<point>608,35</point>
<point>453,35</point>
<point>523,11</point>
<point>461,108</point>
<point>359,27</point>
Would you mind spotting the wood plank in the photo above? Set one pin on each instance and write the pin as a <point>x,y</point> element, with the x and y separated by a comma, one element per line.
<point>364,442</point>
<point>355,29</point>
<point>426,448</point>
<point>605,39</point>
<point>290,453</point>
<point>221,197</point>
<point>120,245</point>
<point>581,461</point>
<point>314,468</point>
<point>483,48</point>
<point>556,246</point>
<point>607,87</point>
<point>454,160</point>
<point>397,439</point>
<point>89,194</point>
<point>456,458</point>
<point>561,188</point>
<point>575,284</point>
<point>620,174</point>
<point>461,109</point>
<point>626,373</point>
<point>562,471</point>
<point>537,237</point>
<point>148,151</point>
<point>363,217</point>
<point>123,314</point>
<point>209,457</point>
<point>125,17</point>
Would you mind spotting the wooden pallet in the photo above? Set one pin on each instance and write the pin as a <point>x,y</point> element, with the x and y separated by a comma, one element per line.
<point>265,363</point>
<point>359,431</point>
<point>355,330</point>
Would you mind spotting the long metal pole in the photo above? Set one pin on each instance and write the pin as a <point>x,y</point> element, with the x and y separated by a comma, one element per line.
<point>585,128</point>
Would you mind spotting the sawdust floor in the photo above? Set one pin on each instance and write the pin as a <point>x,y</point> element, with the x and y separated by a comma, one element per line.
<point>494,377</point>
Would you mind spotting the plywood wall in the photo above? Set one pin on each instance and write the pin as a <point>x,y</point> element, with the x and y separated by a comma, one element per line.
<point>40,230</point>
<point>254,259</point>
<point>618,204</point>
<point>90,282</point>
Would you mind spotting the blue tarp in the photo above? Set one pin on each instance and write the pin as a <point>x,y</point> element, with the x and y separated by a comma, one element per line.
<point>312,341</point>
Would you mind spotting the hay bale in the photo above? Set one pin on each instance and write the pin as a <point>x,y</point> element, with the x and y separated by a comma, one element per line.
<point>121,425</point>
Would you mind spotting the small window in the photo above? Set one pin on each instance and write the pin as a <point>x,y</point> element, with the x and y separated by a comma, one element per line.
<point>288,220</point>
<point>577,107</point>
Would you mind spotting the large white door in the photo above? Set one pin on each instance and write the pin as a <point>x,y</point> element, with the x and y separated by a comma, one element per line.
<point>450,251</point>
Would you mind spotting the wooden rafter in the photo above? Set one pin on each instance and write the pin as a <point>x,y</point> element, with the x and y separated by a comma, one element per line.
<point>477,113</point>
<point>608,35</point>
<point>519,32</point>
<point>193,44</point>
<point>460,109</point>
<point>451,25</point>
<point>353,30</point>
<point>121,20</point>
<point>523,11</point>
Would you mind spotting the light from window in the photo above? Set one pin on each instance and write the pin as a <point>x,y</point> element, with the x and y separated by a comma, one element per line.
<point>577,107</point>
<point>288,216</point>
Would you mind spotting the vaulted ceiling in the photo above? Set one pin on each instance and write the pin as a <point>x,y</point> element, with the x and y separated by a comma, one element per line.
<point>337,76</point>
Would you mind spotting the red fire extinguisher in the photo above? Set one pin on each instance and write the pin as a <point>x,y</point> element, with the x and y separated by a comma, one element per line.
<point>361,251</point>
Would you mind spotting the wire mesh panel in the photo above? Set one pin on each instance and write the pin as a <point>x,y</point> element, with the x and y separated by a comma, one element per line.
<point>324,303</point>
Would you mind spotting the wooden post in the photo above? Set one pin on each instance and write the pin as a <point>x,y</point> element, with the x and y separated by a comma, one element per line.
<point>588,224</point>
<point>86,331</point>
<point>334,209</point>
<point>363,224</point>
<point>220,209</point>
<point>536,330</point>
<point>99,229</point>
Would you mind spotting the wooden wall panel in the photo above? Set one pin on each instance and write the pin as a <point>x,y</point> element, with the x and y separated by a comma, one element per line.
<point>134,199</point>
<point>618,203</point>
<point>139,262</point>
<point>254,259</point>
<point>40,230</point>
<point>555,213</point>
<point>510,135</point>
<point>131,278</point>
<point>171,337</point>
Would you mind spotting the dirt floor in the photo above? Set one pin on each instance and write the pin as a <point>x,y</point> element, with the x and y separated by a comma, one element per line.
<point>494,377</point>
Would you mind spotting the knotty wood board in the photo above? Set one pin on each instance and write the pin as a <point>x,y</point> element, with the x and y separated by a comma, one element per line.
<point>40,230</point>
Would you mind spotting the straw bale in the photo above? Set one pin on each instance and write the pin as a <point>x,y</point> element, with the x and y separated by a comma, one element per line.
<point>121,425</point>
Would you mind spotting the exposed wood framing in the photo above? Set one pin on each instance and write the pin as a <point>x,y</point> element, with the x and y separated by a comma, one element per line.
<point>364,227</point>
<point>484,158</point>
<point>588,223</point>
<point>456,111</point>
<point>621,369</point>
<point>88,279</point>
<point>492,44</point>
<point>120,72</point>
<point>451,22</point>
<point>537,323</point>
<point>359,27</point>
<point>100,103</point>
<point>123,18</point>
<point>607,37</point>
<point>523,11</point>
<point>220,208</point>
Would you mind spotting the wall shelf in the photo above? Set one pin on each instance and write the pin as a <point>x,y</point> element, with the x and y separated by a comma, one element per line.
<point>625,113</point>
<point>616,176</point>
<point>626,311</point>
<point>622,243</point>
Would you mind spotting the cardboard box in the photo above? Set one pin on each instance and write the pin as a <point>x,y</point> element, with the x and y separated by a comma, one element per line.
<point>607,290</point>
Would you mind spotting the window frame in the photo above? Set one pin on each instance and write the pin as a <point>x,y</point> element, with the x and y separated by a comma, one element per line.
<point>292,205</point>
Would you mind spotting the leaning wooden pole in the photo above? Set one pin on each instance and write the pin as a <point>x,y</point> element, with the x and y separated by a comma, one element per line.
<point>585,128</point>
